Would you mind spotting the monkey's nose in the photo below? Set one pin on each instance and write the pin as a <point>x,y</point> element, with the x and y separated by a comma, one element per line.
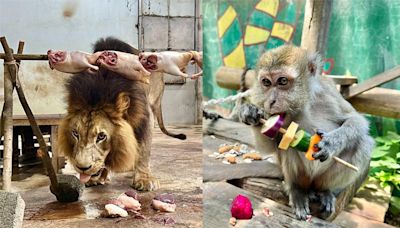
<point>272,103</point>
<point>84,168</point>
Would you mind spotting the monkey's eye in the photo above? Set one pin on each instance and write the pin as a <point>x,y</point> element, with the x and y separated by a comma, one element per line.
<point>266,82</point>
<point>75,134</point>
<point>101,136</point>
<point>282,81</point>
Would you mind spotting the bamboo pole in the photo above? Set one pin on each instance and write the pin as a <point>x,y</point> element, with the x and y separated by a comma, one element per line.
<point>26,56</point>
<point>7,115</point>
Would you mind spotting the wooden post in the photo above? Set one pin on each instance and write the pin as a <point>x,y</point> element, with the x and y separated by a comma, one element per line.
<point>8,116</point>
<point>316,25</point>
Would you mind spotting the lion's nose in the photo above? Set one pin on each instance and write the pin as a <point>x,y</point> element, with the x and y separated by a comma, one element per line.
<point>84,168</point>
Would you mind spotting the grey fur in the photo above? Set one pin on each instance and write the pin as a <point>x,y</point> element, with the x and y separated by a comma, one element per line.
<point>314,103</point>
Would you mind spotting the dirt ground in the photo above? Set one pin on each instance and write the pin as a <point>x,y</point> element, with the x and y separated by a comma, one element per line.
<point>176,163</point>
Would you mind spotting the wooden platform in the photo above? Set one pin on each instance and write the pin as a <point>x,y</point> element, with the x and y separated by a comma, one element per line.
<point>261,181</point>
<point>176,163</point>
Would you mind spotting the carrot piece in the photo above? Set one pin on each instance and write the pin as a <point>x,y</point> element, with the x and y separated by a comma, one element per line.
<point>314,140</point>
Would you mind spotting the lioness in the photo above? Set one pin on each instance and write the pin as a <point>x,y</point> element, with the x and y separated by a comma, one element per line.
<point>108,126</point>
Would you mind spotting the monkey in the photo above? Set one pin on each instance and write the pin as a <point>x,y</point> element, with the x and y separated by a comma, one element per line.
<point>289,82</point>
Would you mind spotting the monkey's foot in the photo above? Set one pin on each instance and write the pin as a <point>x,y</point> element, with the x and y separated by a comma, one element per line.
<point>328,202</point>
<point>146,183</point>
<point>300,204</point>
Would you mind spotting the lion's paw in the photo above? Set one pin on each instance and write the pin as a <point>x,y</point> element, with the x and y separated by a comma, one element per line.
<point>146,184</point>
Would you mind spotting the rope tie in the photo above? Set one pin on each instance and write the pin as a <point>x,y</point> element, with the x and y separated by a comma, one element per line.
<point>227,99</point>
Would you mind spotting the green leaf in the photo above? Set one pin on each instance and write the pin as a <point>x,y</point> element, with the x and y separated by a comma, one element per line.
<point>395,205</point>
<point>380,151</point>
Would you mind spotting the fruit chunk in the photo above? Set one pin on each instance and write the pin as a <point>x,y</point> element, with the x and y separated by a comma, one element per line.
<point>314,140</point>
<point>301,141</point>
<point>241,208</point>
<point>288,136</point>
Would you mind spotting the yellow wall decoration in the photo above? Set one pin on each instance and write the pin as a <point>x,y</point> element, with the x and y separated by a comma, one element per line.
<point>226,20</point>
<point>255,35</point>
<point>282,31</point>
<point>268,6</point>
<point>236,58</point>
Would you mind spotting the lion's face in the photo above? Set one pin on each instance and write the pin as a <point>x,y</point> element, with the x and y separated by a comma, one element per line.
<point>90,135</point>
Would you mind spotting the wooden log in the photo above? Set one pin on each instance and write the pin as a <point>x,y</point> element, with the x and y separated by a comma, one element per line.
<point>379,102</point>
<point>316,25</point>
<point>265,187</point>
<point>27,56</point>
<point>375,81</point>
<point>7,115</point>
<point>218,197</point>
<point>229,78</point>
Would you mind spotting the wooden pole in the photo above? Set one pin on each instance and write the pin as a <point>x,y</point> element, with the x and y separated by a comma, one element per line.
<point>316,25</point>
<point>8,115</point>
<point>26,56</point>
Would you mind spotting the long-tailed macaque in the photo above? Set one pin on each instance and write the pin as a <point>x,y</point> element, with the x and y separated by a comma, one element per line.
<point>289,81</point>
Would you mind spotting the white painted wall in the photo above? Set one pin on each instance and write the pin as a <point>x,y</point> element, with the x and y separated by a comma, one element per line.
<point>43,25</point>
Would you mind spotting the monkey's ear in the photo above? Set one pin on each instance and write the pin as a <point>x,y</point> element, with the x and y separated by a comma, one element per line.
<point>314,65</point>
<point>122,103</point>
<point>152,58</point>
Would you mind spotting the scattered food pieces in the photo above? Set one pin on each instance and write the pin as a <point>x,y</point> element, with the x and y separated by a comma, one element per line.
<point>225,148</point>
<point>253,156</point>
<point>113,211</point>
<point>164,202</point>
<point>308,218</point>
<point>130,203</point>
<point>232,221</point>
<point>132,194</point>
<point>236,153</point>
<point>165,221</point>
<point>247,160</point>
<point>231,160</point>
<point>267,212</point>
<point>241,208</point>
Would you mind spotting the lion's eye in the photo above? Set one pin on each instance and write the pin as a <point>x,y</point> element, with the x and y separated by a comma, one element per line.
<point>266,82</point>
<point>282,81</point>
<point>101,136</point>
<point>75,134</point>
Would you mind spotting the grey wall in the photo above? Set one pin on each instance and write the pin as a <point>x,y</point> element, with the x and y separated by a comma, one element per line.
<point>174,25</point>
<point>76,25</point>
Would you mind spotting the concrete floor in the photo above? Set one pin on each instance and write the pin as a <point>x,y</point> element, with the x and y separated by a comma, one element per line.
<point>176,163</point>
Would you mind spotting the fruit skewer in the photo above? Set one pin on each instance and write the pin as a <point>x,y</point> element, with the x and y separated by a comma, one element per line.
<point>300,140</point>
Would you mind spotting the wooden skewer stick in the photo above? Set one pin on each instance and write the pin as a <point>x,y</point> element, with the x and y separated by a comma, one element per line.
<point>341,161</point>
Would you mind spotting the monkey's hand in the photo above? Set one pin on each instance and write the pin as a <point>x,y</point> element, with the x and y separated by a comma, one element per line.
<point>250,114</point>
<point>329,145</point>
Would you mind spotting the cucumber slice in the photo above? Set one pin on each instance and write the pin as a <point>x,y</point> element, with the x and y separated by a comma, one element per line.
<point>302,141</point>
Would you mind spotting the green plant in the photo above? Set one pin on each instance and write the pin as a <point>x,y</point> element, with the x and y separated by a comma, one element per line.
<point>385,166</point>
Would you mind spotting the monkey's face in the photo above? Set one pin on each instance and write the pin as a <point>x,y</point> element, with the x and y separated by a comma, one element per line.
<point>279,91</point>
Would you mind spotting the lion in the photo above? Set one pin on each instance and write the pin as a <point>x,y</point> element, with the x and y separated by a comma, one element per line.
<point>108,125</point>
